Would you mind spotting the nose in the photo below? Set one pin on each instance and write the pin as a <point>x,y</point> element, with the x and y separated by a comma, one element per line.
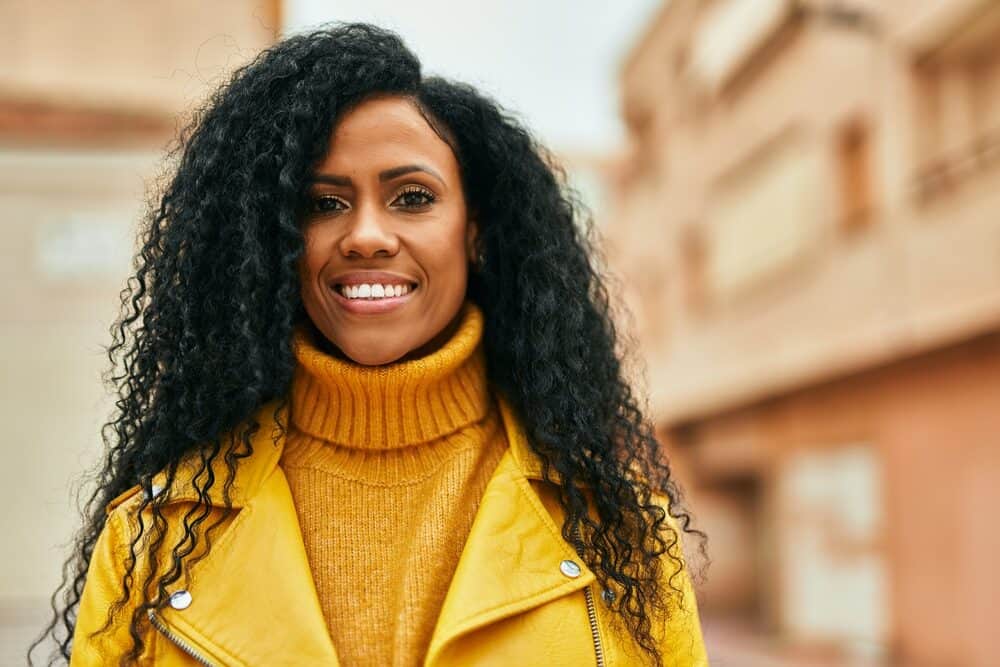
<point>368,235</point>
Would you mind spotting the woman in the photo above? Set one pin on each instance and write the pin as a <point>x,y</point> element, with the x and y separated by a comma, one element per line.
<point>371,410</point>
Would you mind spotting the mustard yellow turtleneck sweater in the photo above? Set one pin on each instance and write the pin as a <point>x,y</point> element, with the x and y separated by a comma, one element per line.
<point>387,465</point>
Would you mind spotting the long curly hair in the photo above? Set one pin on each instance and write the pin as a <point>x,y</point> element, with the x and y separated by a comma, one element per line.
<point>203,336</point>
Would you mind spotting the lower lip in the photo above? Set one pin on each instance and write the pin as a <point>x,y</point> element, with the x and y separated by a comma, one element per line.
<point>372,306</point>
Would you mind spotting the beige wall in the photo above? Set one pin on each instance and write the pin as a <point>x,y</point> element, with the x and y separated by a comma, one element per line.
<point>126,55</point>
<point>68,229</point>
<point>90,95</point>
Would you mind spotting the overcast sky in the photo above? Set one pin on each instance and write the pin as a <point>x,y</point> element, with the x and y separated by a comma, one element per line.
<point>554,62</point>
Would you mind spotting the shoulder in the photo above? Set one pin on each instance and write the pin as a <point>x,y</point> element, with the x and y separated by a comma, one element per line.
<point>188,481</point>
<point>101,627</point>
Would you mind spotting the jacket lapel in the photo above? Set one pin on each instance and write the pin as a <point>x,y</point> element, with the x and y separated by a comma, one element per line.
<point>511,560</point>
<point>253,601</point>
<point>252,598</point>
<point>256,581</point>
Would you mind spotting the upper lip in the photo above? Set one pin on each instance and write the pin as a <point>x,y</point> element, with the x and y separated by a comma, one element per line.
<point>371,277</point>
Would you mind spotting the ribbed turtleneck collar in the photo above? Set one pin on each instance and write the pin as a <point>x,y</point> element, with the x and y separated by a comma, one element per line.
<point>393,405</point>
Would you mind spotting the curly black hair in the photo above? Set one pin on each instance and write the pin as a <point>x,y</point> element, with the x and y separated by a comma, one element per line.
<point>203,337</point>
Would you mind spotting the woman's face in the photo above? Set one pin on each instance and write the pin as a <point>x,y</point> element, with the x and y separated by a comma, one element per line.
<point>387,221</point>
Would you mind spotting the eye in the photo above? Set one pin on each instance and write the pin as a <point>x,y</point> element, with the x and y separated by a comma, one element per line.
<point>328,204</point>
<point>415,197</point>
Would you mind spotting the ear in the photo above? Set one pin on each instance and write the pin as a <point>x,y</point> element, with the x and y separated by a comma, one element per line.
<point>471,234</point>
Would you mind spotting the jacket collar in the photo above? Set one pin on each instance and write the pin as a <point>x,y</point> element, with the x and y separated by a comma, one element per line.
<point>511,563</point>
<point>512,556</point>
<point>524,457</point>
<point>268,443</point>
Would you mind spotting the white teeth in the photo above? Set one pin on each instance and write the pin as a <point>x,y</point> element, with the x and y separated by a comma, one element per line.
<point>373,291</point>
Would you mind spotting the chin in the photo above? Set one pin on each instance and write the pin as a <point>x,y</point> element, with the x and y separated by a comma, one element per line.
<point>374,356</point>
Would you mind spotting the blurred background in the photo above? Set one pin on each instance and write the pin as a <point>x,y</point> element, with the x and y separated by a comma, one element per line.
<point>801,200</point>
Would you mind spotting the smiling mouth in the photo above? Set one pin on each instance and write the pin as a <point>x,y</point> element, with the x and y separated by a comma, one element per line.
<point>374,291</point>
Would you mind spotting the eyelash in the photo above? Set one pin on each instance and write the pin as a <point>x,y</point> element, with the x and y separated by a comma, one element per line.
<point>429,199</point>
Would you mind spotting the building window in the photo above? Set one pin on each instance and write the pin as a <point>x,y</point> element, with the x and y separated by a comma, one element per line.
<point>831,571</point>
<point>855,174</point>
<point>766,215</point>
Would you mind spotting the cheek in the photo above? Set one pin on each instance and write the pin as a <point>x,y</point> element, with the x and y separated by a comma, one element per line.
<point>446,254</point>
<point>458,235</point>
<point>312,259</point>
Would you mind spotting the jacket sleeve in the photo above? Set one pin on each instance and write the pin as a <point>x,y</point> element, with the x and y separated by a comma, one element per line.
<point>681,641</point>
<point>101,589</point>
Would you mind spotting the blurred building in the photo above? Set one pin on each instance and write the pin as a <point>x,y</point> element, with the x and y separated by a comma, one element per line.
<point>809,226</point>
<point>90,96</point>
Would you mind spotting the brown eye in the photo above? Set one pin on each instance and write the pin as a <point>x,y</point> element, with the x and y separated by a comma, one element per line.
<point>414,198</point>
<point>328,204</point>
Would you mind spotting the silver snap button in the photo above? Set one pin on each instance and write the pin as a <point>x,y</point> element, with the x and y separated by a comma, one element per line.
<point>608,595</point>
<point>154,490</point>
<point>570,569</point>
<point>180,600</point>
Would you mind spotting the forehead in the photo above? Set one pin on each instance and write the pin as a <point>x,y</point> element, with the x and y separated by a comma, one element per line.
<point>382,132</point>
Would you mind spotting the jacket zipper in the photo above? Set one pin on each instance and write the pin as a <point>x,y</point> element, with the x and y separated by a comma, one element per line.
<point>177,641</point>
<point>591,609</point>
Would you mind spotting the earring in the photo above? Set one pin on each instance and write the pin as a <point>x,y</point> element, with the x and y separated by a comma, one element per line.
<point>479,261</point>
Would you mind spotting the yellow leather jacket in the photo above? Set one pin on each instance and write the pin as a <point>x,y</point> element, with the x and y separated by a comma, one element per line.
<point>520,594</point>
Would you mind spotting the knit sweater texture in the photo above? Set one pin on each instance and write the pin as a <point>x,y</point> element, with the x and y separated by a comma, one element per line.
<point>387,465</point>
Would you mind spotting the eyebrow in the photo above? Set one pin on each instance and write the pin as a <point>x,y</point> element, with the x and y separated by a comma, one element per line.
<point>383,176</point>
